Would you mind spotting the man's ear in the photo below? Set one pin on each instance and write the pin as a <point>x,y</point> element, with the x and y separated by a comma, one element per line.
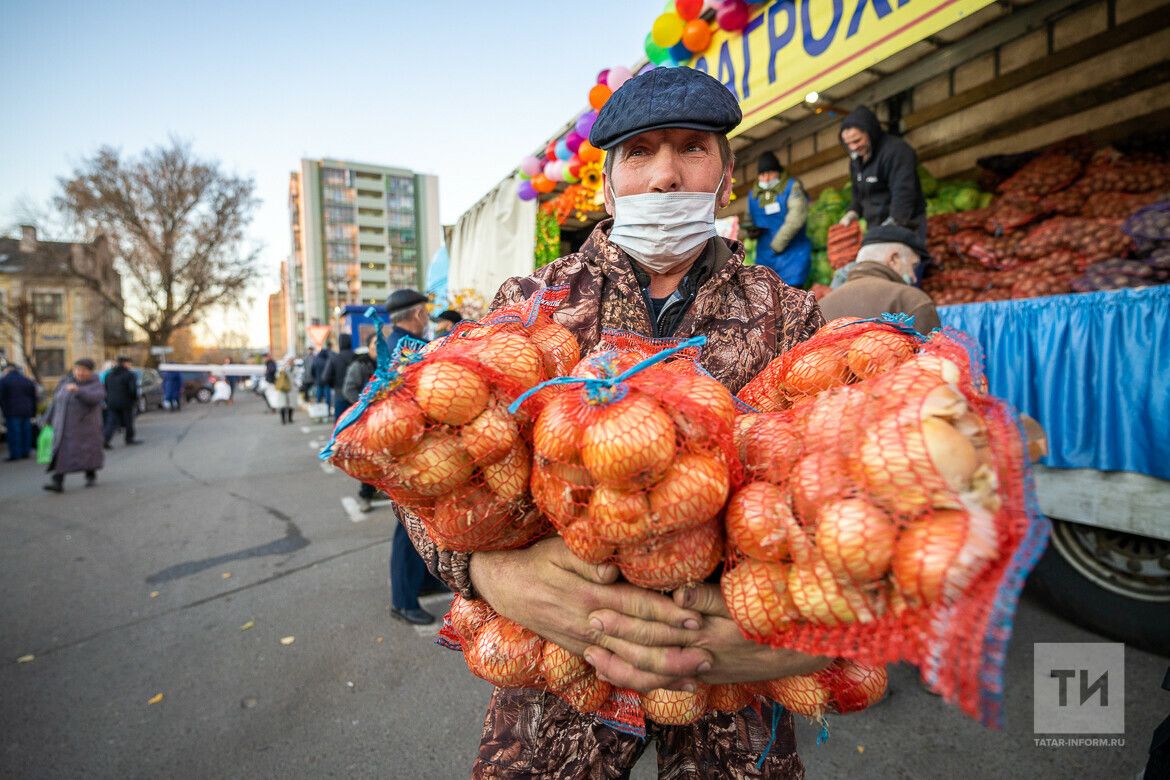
<point>607,193</point>
<point>724,196</point>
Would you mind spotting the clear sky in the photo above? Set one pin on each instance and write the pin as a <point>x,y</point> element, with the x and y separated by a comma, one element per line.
<point>456,88</point>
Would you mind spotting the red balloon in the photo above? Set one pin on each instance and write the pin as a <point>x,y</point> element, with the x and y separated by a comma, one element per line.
<point>688,9</point>
<point>550,151</point>
<point>696,36</point>
<point>574,166</point>
<point>598,95</point>
<point>733,15</point>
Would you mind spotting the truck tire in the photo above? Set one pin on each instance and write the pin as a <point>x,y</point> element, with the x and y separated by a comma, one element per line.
<point>203,395</point>
<point>1111,582</point>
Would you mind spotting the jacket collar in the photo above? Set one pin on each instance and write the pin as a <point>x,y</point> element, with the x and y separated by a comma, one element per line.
<point>872,270</point>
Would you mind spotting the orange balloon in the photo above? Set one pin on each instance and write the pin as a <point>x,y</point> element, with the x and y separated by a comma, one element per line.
<point>588,153</point>
<point>598,95</point>
<point>543,184</point>
<point>696,36</point>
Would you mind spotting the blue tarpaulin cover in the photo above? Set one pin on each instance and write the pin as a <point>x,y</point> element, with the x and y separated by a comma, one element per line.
<point>1093,369</point>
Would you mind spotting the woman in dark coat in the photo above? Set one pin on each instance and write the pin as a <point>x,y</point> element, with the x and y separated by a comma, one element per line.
<point>76,417</point>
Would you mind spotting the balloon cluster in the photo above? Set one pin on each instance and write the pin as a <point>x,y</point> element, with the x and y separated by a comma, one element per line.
<point>564,157</point>
<point>678,35</point>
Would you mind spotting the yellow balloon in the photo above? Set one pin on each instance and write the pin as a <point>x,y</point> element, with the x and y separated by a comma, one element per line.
<point>667,30</point>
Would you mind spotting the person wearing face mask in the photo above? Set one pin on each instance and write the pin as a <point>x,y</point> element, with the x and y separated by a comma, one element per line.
<point>882,280</point>
<point>884,172</point>
<point>658,269</point>
<point>777,210</point>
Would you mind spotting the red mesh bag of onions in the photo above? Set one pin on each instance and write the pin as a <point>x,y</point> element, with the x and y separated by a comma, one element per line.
<point>434,432</point>
<point>887,517</point>
<point>634,459</point>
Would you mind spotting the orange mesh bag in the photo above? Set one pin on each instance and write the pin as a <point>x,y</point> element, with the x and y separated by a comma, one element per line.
<point>891,519</point>
<point>844,242</point>
<point>434,432</point>
<point>840,352</point>
<point>634,460</point>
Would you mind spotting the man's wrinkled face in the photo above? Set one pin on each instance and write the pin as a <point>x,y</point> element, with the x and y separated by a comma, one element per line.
<point>856,141</point>
<point>670,160</point>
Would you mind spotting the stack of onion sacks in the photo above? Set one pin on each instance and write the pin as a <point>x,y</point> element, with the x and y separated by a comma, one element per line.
<point>437,436</point>
<point>881,521</point>
<point>844,351</point>
<point>633,465</point>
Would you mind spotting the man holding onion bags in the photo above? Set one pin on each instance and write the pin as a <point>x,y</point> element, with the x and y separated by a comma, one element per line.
<point>657,269</point>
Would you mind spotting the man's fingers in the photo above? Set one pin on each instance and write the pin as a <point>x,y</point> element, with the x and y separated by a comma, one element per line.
<point>616,670</point>
<point>707,599</point>
<point>675,662</point>
<point>648,605</point>
<point>649,633</point>
<point>603,574</point>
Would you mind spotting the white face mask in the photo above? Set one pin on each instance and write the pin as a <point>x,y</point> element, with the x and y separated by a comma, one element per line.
<point>662,229</point>
<point>769,184</point>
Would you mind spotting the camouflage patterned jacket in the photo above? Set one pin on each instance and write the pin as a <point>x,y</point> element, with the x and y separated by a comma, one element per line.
<point>747,314</point>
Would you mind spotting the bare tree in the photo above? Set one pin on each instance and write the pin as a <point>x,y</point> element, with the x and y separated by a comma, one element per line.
<point>176,226</point>
<point>19,322</point>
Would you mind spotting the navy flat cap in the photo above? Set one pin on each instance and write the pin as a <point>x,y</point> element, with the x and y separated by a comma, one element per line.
<point>403,299</point>
<point>896,234</point>
<point>662,98</point>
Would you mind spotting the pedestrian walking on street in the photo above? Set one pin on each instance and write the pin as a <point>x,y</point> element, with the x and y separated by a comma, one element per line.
<point>322,392</point>
<point>360,369</point>
<point>284,392</point>
<point>409,577</point>
<point>76,417</point>
<point>173,390</point>
<point>335,370</point>
<point>18,401</point>
<point>121,401</point>
<point>232,381</point>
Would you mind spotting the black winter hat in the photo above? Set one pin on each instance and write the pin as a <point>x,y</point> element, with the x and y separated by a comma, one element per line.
<point>665,98</point>
<point>768,162</point>
<point>403,299</point>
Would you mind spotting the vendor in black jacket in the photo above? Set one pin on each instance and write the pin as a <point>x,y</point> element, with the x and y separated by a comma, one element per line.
<point>884,172</point>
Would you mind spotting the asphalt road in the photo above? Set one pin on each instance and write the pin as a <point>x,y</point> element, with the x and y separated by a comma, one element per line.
<point>216,607</point>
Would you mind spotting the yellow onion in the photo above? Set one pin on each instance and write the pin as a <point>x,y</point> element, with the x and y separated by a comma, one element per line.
<point>756,594</point>
<point>394,424</point>
<point>818,477</point>
<point>815,371</point>
<point>512,355</point>
<point>468,616</point>
<point>705,392</point>
<point>803,694</point>
<point>630,443</point>
<point>469,518</point>
<point>561,490</point>
<point>558,347</point>
<point>853,686</point>
<point>438,464</point>
<point>877,351</point>
<point>908,467</point>
<point>675,708</point>
<point>505,654</point>
<point>828,421</point>
<point>669,562</point>
<point>816,593</point>
<point>585,544</point>
<point>942,553</point>
<point>557,434</point>
<point>833,325</point>
<point>940,367</point>
<point>769,447</point>
<point>856,539</point>
<point>731,697</point>
<point>560,668</point>
<point>755,523</point>
<point>491,435</point>
<point>508,478</point>
<point>450,393</point>
<point>587,694</point>
<point>692,491</point>
<point>523,524</point>
<point>619,516</point>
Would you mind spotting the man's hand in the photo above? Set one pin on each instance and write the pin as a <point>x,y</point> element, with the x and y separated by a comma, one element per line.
<point>550,591</point>
<point>779,244</point>
<point>848,219</point>
<point>631,654</point>
<point>70,388</point>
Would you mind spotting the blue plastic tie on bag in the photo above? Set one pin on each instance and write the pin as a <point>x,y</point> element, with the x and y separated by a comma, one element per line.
<point>603,391</point>
<point>777,711</point>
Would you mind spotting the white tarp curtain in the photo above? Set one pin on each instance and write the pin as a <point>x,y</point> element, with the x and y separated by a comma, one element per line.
<point>493,240</point>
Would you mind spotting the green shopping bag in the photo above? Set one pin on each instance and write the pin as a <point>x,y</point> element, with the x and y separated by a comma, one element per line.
<point>45,445</point>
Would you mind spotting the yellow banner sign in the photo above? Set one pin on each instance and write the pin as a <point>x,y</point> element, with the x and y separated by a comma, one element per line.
<point>790,48</point>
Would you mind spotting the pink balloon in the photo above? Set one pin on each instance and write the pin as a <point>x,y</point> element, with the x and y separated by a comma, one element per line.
<point>530,165</point>
<point>733,15</point>
<point>618,75</point>
<point>573,141</point>
<point>602,75</point>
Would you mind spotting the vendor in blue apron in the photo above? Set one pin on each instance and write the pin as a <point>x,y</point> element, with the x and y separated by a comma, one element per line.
<point>777,209</point>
